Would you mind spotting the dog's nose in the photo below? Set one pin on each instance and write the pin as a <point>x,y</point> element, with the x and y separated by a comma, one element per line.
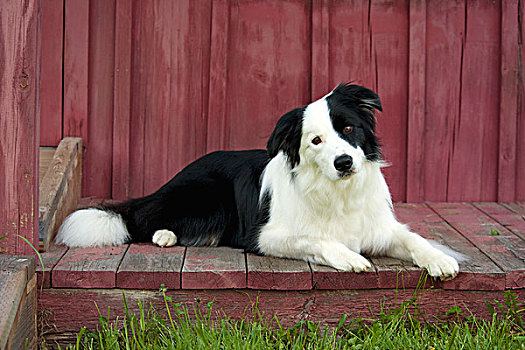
<point>343,163</point>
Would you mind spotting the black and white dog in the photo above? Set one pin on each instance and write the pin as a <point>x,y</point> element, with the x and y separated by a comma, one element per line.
<point>316,194</point>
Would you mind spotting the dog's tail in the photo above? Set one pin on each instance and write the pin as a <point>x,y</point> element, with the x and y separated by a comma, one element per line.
<point>93,227</point>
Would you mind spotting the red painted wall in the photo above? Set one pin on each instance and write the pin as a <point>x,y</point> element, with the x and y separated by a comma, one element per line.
<point>153,85</point>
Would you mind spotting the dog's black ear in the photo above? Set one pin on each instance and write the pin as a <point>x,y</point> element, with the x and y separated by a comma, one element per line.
<point>286,136</point>
<point>360,95</point>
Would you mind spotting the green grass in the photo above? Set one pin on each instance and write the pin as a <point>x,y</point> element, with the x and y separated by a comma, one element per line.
<point>175,327</point>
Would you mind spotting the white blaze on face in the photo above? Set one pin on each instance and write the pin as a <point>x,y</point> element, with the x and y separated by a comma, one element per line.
<point>317,123</point>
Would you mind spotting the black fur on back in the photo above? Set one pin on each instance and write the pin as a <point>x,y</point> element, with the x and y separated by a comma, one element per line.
<point>213,201</point>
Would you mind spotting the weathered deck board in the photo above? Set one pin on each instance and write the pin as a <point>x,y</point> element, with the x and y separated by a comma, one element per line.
<point>266,272</point>
<point>494,262</point>
<point>50,259</point>
<point>214,268</point>
<point>146,266</point>
<point>88,267</point>
<point>477,273</point>
<point>502,246</point>
<point>506,217</point>
<point>18,328</point>
<point>325,277</point>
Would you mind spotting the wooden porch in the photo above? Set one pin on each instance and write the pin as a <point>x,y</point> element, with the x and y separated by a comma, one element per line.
<point>492,236</point>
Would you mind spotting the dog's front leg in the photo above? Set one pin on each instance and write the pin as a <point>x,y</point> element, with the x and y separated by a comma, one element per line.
<point>330,253</point>
<point>410,246</point>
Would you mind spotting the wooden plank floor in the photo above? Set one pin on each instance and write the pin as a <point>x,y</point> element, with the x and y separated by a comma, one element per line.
<point>490,234</point>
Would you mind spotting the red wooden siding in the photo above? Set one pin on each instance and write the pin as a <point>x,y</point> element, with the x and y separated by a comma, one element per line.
<point>19,77</point>
<point>151,86</point>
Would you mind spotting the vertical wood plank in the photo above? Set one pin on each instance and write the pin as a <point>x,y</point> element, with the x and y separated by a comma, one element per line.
<point>508,106</point>
<point>474,156</point>
<point>76,57</point>
<point>390,36</point>
<point>19,129</point>
<point>122,100</point>
<point>218,75</point>
<point>416,99</point>
<point>268,66</point>
<point>189,88</point>
<point>320,68</point>
<point>142,31</point>
<point>157,112</point>
<point>520,150</point>
<point>170,89</point>
<point>444,40</point>
<point>52,31</point>
<point>96,177</point>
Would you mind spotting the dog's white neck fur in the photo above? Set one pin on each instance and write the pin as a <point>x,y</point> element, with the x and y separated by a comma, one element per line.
<point>312,205</point>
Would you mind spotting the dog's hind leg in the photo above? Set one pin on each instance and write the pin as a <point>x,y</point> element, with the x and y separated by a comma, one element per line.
<point>164,238</point>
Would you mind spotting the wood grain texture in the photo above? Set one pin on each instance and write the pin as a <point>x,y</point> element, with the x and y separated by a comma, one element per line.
<point>75,70</point>
<point>193,77</point>
<point>326,307</point>
<point>12,286</point>
<point>325,277</point>
<point>217,102</point>
<point>60,189</point>
<point>499,244</point>
<point>147,266</point>
<point>122,100</point>
<point>52,32</point>
<point>416,99</point>
<point>170,74</point>
<point>272,273</point>
<point>262,66</point>
<point>19,129</point>
<point>320,81</point>
<point>214,268</point>
<point>477,273</point>
<point>18,302</point>
<point>474,133</point>
<point>96,177</point>
<point>50,258</point>
<point>520,151</point>
<point>445,44</point>
<point>508,104</point>
<point>88,267</point>
<point>510,220</point>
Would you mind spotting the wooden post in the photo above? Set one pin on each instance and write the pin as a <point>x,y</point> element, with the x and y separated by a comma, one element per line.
<point>19,78</point>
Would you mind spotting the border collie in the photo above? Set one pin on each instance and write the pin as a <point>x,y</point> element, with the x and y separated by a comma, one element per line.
<point>317,193</point>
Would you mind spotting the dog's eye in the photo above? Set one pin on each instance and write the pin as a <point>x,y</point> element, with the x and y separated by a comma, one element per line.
<point>347,129</point>
<point>317,140</point>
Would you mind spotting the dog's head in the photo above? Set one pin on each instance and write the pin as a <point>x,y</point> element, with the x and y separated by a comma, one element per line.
<point>335,133</point>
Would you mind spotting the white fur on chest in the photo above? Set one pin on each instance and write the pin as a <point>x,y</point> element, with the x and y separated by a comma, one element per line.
<point>355,212</point>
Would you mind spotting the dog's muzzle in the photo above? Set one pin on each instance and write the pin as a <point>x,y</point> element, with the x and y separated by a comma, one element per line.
<point>343,163</point>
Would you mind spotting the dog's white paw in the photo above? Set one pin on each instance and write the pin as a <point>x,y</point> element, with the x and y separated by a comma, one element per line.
<point>342,258</point>
<point>439,265</point>
<point>164,238</point>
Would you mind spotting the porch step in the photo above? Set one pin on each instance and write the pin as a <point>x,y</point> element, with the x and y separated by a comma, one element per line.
<point>490,234</point>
